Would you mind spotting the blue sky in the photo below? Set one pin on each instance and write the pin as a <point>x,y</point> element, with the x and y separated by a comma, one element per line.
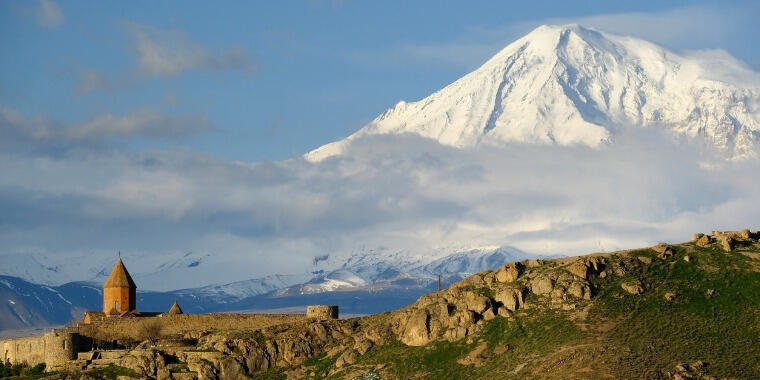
<point>161,129</point>
<point>270,80</point>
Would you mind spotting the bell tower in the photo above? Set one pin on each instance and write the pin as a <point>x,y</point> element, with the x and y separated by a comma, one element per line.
<point>119,291</point>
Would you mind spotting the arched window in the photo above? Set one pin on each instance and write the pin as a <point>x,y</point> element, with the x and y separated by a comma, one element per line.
<point>116,305</point>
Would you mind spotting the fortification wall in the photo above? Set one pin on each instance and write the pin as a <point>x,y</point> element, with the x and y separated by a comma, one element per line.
<point>53,348</point>
<point>19,350</point>
<point>134,328</point>
<point>59,346</point>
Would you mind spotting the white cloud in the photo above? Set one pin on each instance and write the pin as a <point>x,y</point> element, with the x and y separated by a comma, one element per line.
<point>49,14</point>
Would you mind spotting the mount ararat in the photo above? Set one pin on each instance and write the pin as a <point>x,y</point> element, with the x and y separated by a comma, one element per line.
<point>569,85</point>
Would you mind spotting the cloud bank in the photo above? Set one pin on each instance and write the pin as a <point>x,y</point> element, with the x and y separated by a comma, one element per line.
<point>395,194</point>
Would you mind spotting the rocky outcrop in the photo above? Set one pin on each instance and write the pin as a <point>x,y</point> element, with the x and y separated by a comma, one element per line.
<point>663,250</point>
<point>459,311</point>
<point>727,240</point>
<point>633,287</point>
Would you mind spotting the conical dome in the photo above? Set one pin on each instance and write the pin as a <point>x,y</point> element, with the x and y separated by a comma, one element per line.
<point>175,309</point>
<point>119,277</point>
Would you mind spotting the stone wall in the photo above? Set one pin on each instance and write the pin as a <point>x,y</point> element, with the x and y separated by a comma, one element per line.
<point>322,312</point>
<point>53,348</point>
<point>59,346</point>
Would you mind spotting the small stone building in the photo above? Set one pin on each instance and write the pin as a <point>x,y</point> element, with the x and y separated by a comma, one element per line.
<point>322,312</point>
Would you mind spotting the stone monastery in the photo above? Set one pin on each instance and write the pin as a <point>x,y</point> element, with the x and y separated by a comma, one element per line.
<point>60,345</point>
<point>118,333</point>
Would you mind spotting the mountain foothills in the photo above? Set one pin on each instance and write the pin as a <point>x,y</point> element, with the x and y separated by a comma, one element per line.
<point>682,311</point>
<point>569,85</point>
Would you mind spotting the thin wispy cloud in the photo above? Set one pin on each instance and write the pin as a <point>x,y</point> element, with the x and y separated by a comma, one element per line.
<point>49,14</point>
<point>38,134</point>
<point>163,53</point>
<point>168,52</point>
<point>693,27</point>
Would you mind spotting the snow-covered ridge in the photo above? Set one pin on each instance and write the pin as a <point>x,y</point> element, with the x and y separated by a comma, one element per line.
<point>570,85</point>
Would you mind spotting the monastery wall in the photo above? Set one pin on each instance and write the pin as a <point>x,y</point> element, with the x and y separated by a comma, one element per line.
<point>53,348</point>
<point>135,328</point>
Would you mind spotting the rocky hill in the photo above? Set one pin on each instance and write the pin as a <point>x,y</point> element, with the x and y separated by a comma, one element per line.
<point>685,311</point>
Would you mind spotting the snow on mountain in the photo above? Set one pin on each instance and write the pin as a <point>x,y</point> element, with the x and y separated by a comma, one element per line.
<point>241,289</point>
<point>569,85</point>
<point>379,269</point>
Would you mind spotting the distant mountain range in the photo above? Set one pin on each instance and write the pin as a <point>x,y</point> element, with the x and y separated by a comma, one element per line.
<point>361,279</point>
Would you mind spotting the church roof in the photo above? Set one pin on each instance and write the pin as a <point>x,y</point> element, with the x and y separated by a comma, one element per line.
<point>175,309</point>
<point>119,277</point>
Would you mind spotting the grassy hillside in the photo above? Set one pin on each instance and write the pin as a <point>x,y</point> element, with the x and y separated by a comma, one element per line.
<point>708,324</point>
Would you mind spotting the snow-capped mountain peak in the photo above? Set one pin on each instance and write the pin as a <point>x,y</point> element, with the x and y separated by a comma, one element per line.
<point>569,85</point>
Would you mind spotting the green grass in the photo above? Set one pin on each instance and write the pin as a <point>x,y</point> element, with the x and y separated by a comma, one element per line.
<point>722,330</point>
<point>631,336</point>
<point>534,334</point>
<point>23,372</point>
<point>321,364</point>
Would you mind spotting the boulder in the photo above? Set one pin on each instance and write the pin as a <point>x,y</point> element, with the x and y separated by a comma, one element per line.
<point>579,268</point>
<point>476,302</point>
<point>580,289</point>
<point>512,299</point>
<point>727,242</point>
<point>231,368</point>
<point>664,251</point>
<point>534,263</point>
<point>144,362</point>
<point>417,329</point>
<point>542,285</point>
<point>633,287</point>
<point>509,272</point>
<point>696,236</point>
<point>670,296</point>
<point>745,234</point>
<point>704,241</point>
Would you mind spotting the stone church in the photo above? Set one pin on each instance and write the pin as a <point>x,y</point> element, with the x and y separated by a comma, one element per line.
<point>120,298</point>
